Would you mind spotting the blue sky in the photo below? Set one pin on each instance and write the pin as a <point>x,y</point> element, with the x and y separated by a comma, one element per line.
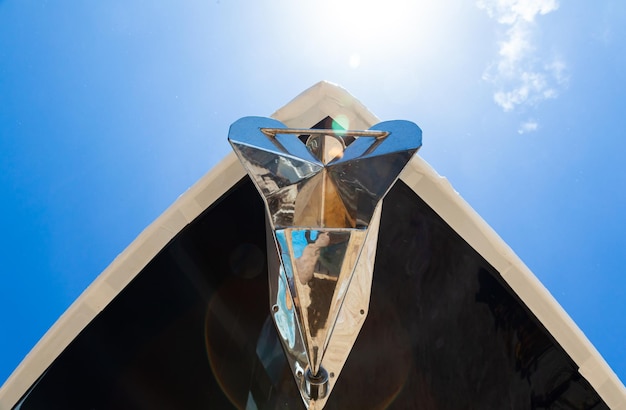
<point>110,110</point>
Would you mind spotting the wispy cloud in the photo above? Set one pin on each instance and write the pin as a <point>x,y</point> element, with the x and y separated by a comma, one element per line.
<point>520,77</point>
<point>528,126</point>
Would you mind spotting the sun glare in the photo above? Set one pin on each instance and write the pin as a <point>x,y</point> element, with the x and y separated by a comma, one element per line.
<point>380,28</point>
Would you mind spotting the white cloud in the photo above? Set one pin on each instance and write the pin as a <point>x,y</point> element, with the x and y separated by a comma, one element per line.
<point>528,126</point>
<point>520,78</point>
<point>510,11</point>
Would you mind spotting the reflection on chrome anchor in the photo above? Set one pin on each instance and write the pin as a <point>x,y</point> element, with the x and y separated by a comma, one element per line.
<point>323,199</point>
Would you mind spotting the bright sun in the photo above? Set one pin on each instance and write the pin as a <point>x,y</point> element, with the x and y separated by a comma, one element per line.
<point>379,29</point>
